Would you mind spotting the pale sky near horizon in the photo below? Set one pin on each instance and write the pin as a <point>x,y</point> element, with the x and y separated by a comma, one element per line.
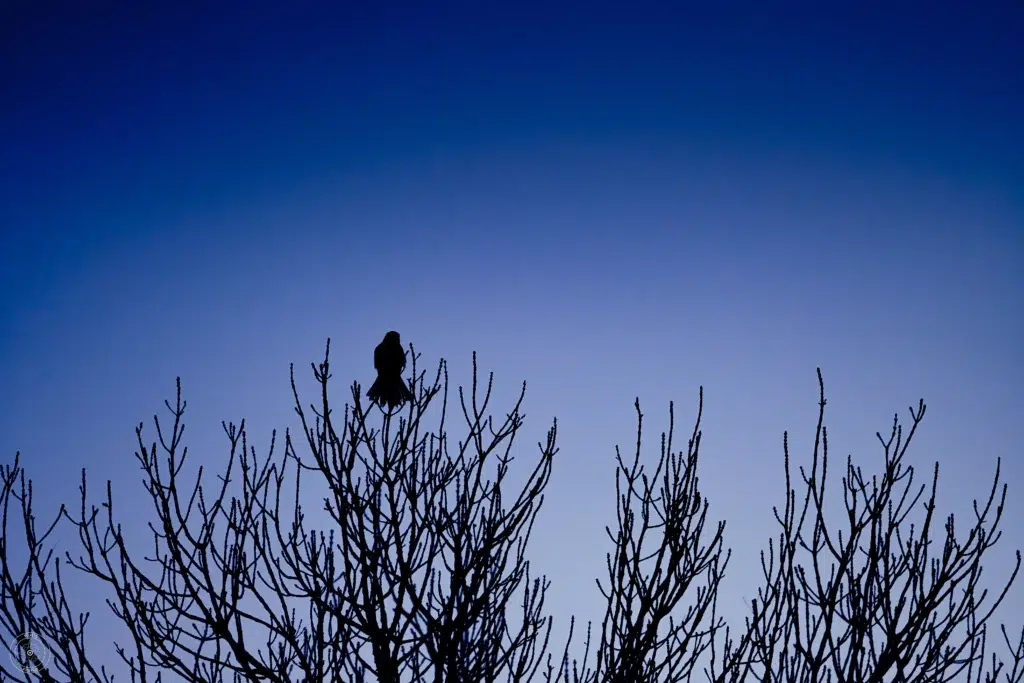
<point>605,203</point>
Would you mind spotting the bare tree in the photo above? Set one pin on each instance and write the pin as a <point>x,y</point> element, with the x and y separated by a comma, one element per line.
<point>414,566</point>
<point>868,598</point>
<point>864,599</point>
<point>661,555</point>
<point>421,574</point>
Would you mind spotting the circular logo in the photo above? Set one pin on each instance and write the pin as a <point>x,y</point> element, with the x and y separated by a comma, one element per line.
<point>29,654</point>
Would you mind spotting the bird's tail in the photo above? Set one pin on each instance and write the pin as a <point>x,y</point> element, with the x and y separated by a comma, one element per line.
<point>405,390</point>
<point>374,393</point>
<point>390,391</point>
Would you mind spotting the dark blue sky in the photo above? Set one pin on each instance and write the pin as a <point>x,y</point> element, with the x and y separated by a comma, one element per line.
<point>606,201</point>
<point>139,110</point>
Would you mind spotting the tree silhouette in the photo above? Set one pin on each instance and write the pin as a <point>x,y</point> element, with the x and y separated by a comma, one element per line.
<point>417,570</point>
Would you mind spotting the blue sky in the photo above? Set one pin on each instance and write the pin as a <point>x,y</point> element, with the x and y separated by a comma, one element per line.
<point>606,201</point>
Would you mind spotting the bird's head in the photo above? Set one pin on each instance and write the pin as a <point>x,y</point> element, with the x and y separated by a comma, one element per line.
<point>393,337</point>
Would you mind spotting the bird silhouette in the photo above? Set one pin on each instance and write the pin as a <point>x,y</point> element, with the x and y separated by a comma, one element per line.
<point>389,361</point>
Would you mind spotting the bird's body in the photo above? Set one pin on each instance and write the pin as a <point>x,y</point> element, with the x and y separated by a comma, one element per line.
<point>389,361</point>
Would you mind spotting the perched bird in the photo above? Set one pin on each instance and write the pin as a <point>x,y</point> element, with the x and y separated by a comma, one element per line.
<point>389,361</point>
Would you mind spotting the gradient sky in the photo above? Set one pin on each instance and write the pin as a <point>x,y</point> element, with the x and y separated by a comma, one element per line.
<point>604,202</point>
